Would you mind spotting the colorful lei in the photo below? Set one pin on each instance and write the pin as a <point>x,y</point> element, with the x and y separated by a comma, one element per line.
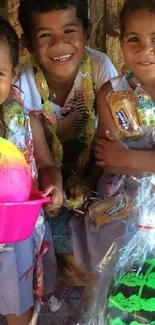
<point>51,118</point>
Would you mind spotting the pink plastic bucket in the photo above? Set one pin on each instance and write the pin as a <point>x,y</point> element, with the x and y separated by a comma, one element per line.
<point>17,219</point>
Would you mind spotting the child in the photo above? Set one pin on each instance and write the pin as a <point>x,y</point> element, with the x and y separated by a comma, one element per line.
<point>16,276</point>
<point>115,154</point>
<point>62,79</point>
<point>137,22</point>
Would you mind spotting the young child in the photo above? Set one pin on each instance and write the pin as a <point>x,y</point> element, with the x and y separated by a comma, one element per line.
<point>118,157</point>
<point>130,156</point>
<point>61,79</point>
<point>137,22</point>
<point>26,132</point>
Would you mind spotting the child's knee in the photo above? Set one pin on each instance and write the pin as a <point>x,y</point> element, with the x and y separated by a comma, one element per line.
<point>23,319</point>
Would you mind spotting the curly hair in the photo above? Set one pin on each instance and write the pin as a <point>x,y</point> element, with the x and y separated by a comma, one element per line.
<point>8,34</point>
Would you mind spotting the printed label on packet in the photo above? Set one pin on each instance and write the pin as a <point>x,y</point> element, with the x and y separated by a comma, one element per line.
<point>124,121</point>
<point>110,209</point>
<point>116,208</point>
<point>123,111</point>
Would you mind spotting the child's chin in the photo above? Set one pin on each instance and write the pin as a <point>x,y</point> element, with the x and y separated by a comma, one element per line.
<point>64,73</point>
<point>2,100</point>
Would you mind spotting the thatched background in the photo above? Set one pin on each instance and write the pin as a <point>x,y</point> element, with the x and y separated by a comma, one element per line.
<point>12,14</point>
<point>105,28</point>
<point>104,21</point>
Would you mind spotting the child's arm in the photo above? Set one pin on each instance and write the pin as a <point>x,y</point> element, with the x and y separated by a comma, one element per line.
<point>112,153</point>
<point>50,175</point>
<point>104,139</point>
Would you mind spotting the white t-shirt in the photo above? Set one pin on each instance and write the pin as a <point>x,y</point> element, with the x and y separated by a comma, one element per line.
<point>102,71</point>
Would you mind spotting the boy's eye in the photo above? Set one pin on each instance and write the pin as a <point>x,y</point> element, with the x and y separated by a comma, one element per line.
<point>133,39</point>
<point>68,31</point>
<point>153,40</point>
<point>2,73</point>
<point>44,35</point>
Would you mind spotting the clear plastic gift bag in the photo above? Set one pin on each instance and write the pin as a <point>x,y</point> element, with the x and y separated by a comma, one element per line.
<point>133,112</point>
<point>125,293</point>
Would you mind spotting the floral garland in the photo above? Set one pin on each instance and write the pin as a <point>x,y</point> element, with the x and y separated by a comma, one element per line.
<point>51,119</point>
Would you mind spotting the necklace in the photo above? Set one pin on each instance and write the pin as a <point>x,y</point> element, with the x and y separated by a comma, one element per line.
<point>52,97</point>
<point>48,111</point>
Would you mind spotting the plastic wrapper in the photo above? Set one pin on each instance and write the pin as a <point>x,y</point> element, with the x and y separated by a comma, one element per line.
<point>110,209</point>
<point>145,108</point>
<point>124,113</point>
<point>125,293</point>
<point>17,122</point>
<point>133,112</point>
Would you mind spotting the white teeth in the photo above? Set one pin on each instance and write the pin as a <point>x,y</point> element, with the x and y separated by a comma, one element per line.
<point>146,63</point>
<point>62,58</point>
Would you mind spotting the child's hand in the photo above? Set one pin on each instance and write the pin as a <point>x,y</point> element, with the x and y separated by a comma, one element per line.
<point>51,182</point>
<point>111,152</point>
<point>56,200</point>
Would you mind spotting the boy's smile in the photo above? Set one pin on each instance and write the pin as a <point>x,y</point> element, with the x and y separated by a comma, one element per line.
<point>63,58</point>
<point>59,42</point>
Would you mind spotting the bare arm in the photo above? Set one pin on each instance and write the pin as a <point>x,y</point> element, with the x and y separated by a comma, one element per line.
<point>50,175</point>
<point>105,118</point>
<point>143,161</point>
<point>43,156</point>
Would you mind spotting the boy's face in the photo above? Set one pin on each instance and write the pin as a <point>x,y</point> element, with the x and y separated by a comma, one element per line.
<point>58,42</point>
<point>6,71</point>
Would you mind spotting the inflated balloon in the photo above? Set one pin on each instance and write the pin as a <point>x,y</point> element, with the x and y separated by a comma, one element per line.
<point>15,176</point>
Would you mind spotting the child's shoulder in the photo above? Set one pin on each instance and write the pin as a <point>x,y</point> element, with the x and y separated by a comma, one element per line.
<point>119,83</point>
<point>102,67</point>
<point>116,84</point>
<point>97,56</point>
<point>96,53</point>
<point>27,86</point>
<point>100,58</point>
<point>26,69</point>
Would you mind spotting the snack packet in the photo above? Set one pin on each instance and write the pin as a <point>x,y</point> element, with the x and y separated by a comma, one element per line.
<point>133,112</point>
<point>124,113</point>
<point>110,209</point>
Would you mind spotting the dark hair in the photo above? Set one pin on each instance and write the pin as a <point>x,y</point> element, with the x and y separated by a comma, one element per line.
<point>8,34</point>
<point>130,6</point>
<point>28,7</point>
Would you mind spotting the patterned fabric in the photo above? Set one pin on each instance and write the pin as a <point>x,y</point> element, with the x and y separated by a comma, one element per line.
<point>61,232</point>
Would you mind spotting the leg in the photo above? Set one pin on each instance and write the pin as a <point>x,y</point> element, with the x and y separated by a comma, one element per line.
<point>70,274</point>
<point>19,320</point>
